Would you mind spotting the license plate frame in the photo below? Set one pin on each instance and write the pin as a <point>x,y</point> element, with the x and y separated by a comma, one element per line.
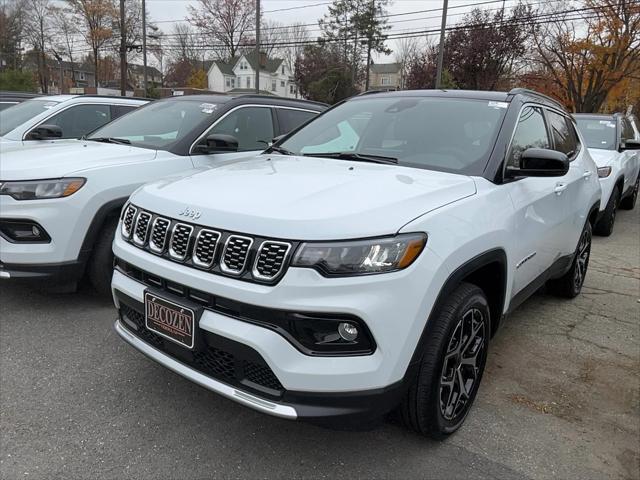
<point>170,320</point>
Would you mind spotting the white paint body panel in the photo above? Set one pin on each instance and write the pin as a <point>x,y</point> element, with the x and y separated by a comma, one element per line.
<point>623,165</point>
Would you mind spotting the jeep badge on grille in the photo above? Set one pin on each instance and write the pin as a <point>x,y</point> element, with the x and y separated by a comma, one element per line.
<point>190,212</point>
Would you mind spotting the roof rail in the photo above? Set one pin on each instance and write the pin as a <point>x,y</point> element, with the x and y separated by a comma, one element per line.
<point>276,97</point>
<point>528,91</point>
<point>370,92</point>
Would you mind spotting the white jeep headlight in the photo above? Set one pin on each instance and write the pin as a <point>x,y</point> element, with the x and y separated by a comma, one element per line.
<point>604,172</point>
<point>42,189</point>
<point>361,257</point>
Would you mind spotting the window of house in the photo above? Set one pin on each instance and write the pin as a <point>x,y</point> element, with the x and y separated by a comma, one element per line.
<point>283,69</point>
<point>282,83</point>
<point>251,126</point>
<point>273,85</point>
<point>228,82</point>
<point>385,80</point>
<point>531,132</point>
<point>233,82</point>
<point>80,75</point>
<point>291,89</point>
<point>248,82</point>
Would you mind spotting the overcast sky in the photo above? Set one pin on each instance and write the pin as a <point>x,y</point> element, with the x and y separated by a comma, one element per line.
<point>166,12</point>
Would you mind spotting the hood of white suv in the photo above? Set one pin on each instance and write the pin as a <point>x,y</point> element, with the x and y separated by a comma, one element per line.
<point>62,158</point>
<point>603,157</point>
<point>305,198</point>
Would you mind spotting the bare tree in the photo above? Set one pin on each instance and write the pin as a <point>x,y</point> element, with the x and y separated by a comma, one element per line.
<point>227,22</point>
<point>296,34</point>
<point>97,18</point>
<point>11,33</point>
<point>65,44</point>
<point>406,50</point>
<point>38,33</point>
<point>272,33</point>
<point>185,40</point>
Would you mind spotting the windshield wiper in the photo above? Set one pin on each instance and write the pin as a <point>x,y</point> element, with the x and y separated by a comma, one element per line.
<point>119,141</point>
<point>281,150</point>
<point>358,157</point>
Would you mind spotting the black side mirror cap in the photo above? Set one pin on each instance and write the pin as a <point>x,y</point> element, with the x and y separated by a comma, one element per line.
<point>630,145</point>
<point>540,162</point>
<point>45,132</point>
<point>221,143</point>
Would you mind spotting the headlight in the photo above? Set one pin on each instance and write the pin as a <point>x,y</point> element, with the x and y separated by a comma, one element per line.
<point>604,172</point>
<point>42,189</point>
<point>361,257</point>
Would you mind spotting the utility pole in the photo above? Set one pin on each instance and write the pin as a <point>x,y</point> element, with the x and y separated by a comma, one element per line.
<point>259,60</point>
<point>59,58</point>
<point>369,39</point>
<point>144,45</point>
<point>441,49</point>
<point>123,52</point>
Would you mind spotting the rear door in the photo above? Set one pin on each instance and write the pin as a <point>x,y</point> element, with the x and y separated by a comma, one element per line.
<point>539,203</point>
<point>630,158</point>
<point>252,126</point>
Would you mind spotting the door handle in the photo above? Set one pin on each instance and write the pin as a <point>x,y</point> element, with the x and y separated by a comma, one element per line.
<point>560,187</point>
<point>587,174</point>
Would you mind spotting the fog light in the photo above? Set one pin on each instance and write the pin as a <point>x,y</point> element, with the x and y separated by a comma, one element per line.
<point>348,331</point>
<point>25,231</point>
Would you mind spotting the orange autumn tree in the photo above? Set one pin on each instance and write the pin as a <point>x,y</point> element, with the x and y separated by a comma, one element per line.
<point>585,56</point>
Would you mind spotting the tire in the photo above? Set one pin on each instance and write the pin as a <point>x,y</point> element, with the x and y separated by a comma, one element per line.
<point>570,284</point>
<point>604,226</point>
<point>434,405</point>
<point>100,267</point>
<point>629,202</point>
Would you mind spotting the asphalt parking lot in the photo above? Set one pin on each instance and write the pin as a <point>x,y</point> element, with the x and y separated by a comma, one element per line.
<point>560,398</point>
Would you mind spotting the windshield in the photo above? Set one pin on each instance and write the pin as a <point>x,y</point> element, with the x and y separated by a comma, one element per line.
<point>598,132</point>
<point>447,134</point>
<point>158,125</point>
<point>16,115</point>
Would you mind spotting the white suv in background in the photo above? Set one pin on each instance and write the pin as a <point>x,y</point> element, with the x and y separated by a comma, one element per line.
<point>61,116</point>
<point>613,145</point>
<point>59,204</point>
<point>363,262</point>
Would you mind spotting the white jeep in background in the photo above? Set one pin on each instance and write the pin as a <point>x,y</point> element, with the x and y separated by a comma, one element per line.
<point>363,262</point>
<point>59,203</point>
<point>615,147</point>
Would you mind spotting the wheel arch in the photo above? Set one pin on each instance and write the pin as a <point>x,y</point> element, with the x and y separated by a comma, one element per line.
<point>593,213</point>
<point>107,211</point>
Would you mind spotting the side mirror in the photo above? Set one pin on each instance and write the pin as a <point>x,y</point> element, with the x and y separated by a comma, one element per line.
<point>219,142</point>
<point>540,162</point>
<point>45,132</point>
<point>630,145</point>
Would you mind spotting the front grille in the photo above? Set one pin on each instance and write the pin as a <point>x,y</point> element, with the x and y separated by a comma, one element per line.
<point>159,234</point>
<point>215,356</point>
<point>270,260</point>
<point>244,257</point>
<point>180,241</point>
<point>127,221</point>
<point>142,228</point>
<point>204,250</point>
<point>236,251</point>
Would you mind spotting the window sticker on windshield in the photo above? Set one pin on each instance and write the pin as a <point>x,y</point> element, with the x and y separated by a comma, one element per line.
<point>50,105</point>
<point>608,123</point>
<point>499,104</point>
<point>208,107</point>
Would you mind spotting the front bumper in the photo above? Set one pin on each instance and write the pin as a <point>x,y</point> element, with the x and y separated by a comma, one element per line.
<point>49,271</point>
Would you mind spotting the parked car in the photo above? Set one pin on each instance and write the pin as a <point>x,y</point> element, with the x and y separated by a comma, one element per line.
<point>363,262</point>
<point>62,116</point>
<point>615,147</point>
<point>63,226</point>
<point>9,99</point>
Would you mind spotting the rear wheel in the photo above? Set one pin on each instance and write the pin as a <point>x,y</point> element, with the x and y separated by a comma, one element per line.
<point>451,368</point>
<point>570,284</point>
<point>100,268</point>
<point>604,226</point>
<point>629,202</point>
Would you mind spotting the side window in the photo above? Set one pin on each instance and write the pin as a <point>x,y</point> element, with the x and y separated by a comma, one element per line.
<point>563,140</point>
<point>119,110</point>
<point>291,119</point>
<point>627,130</point>
<point>81,119</point>
<point>251,126</point>
<point>531,132</point>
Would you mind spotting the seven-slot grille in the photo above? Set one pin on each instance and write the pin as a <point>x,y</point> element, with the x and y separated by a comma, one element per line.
<point>204,250</point>
<point>159,234</point>
<point>270,259</point>
<point>127,220</point>
<point>220,252</point>
<point>180,241</point>
<point>142,228</point>
<point>236,252</point>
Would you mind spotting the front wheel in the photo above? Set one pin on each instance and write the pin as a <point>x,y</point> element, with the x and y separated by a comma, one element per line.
<point>629,202</point>
<point>453,361</point>
<point>604,226</point>
<point>570,284</point>
<point>100,268</point>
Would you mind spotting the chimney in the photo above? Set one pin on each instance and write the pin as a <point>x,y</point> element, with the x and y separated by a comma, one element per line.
<point>263,59</point>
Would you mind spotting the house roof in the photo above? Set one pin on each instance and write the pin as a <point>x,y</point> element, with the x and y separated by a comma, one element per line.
<point>385,67</point>
<point>134,67</point>
<point>227,67</point>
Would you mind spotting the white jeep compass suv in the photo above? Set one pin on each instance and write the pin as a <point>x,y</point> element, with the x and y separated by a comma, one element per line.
<point>363,262</point>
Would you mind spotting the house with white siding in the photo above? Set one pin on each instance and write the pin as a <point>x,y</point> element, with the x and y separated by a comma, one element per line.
<point>239,75</point>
